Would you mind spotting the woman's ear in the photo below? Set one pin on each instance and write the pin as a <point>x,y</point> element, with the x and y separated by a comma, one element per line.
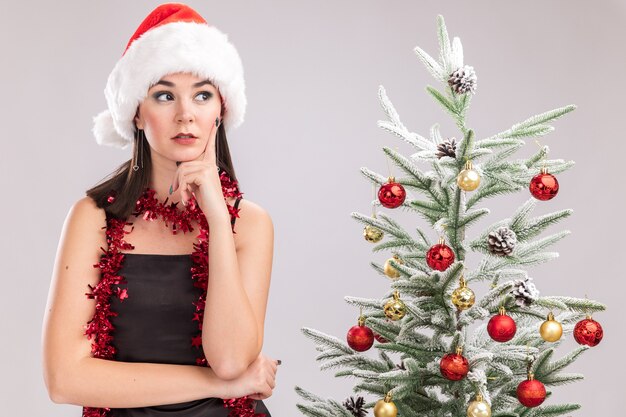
<point>138,122</point>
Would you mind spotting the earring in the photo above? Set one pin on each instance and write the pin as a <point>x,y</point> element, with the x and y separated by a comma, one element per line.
<point>140,136</point>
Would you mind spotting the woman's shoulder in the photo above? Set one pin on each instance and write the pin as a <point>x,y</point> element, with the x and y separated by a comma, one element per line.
<point>253,220</point>
<point>88,208</point>
<point>252,210</point>
<point>85,213</point>
<point>83,230</point>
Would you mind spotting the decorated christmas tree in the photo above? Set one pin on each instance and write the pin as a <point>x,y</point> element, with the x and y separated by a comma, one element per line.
<point>442,349</point>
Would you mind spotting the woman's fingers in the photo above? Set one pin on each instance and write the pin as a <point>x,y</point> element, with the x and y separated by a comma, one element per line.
<point>186,181</point>
<point>182,170</point>
<point>210,156</point>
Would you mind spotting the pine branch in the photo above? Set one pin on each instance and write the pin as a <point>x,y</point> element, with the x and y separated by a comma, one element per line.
<point>307,395</point>
<point>432,187</point>
<point>572,304</point>
<point>366,303</point>
<point>556,410</point>
<point>525,230</point>
<point>472,216</point>
<point>447,105</point>
<point>497,142</point>
<point>319,406</point>
<point>431,65</point>
<point>535,125</point>
<point>445,50</point>
<point>489,189</point>
<point>556,366</point>
<point>325,340</point>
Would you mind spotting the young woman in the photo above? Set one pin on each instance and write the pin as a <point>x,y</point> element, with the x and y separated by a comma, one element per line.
<point>157,304</point>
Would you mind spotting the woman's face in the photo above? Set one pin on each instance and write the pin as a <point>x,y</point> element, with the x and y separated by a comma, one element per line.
<point>179,103</point>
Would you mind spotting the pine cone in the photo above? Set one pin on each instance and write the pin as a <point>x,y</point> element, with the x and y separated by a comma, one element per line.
<point>355,407</point>
<point>525,292</point>
<point>447,148</point>
<point>502,241</point>
<point>463,80</point>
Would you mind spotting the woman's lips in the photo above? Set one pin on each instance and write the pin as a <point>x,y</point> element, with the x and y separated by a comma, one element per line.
<point>185,141</point>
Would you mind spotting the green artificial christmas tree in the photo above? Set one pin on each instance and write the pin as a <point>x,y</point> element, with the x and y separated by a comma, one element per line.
<point>459,353</point>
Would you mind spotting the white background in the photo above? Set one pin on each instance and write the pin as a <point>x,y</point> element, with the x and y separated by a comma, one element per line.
<point>312,71</point>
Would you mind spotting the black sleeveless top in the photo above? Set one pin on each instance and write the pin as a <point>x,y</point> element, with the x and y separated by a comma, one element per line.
<point>156,325</point>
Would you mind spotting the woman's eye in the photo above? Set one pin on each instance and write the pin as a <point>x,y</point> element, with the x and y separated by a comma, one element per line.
<point>158,96</point>
<point>205,95</point>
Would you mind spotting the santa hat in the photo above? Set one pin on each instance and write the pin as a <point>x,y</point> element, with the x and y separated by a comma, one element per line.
<point>172,38</point>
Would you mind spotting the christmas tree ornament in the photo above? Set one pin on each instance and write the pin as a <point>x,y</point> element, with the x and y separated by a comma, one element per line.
<point>385,407</point>
<point>389,270</point>
<point>479,408</point>
<point>355,406</point>
<point>501,241</point>
<point>531,392</point>
<point>395,309</point>
<point>468,179</point>
<point>588,332</point>
<point>447,148</point>
<point>440,256</point>
<point>501,327</point>
<point>463,80</point>
<point>454,366</point>
<point>524,292</point>
<point>372,234</point>
<point>463,297</point>
<point>360,337</point>
<point>544,186</point>
<point>379,338</point>
<point>391,194</point>
<point>551,330</point>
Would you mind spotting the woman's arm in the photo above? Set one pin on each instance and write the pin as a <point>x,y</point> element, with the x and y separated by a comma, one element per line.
<point>71,374</point>
<point>237,292</point>
<point>97,382</point>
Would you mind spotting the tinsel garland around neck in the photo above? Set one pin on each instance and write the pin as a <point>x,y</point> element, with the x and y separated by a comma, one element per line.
<point>100,327</point>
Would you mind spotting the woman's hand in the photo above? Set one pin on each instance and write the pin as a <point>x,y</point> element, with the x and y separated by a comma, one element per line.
<point>200,177</point>
<point>257,382</point>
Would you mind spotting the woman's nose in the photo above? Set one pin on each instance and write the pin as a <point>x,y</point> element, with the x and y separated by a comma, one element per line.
<point>184,114</point>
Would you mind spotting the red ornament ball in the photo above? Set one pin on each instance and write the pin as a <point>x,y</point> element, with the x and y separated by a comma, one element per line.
<point>531,393</point>
<point>544,186</point>
<point>454,366</point>
<point>440,257</point>
<point>501,327</point>
<point>392,194</point>
<point>588,332</point>
<point>379,338</point>
<point>360,338</point>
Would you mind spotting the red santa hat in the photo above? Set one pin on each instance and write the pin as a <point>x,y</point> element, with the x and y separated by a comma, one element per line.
<point>172,38</point>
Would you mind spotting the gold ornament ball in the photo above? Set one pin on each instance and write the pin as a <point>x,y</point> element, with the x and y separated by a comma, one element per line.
<point>463,297</point>
<point>478,408</point>
<point>551,330</point>
<point>372,234</point>
<point>390,271</point>
<point>395,309</point>
<point>384,408</point>
<point>468,179</point>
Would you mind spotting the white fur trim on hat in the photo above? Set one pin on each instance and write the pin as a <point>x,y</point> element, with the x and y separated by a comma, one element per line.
<point>191,47</point>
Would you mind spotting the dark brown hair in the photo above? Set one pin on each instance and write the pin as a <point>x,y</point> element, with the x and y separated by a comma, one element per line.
<point>128,185</point>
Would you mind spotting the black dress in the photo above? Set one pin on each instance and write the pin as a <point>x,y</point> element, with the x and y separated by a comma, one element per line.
<point>156,325</point>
